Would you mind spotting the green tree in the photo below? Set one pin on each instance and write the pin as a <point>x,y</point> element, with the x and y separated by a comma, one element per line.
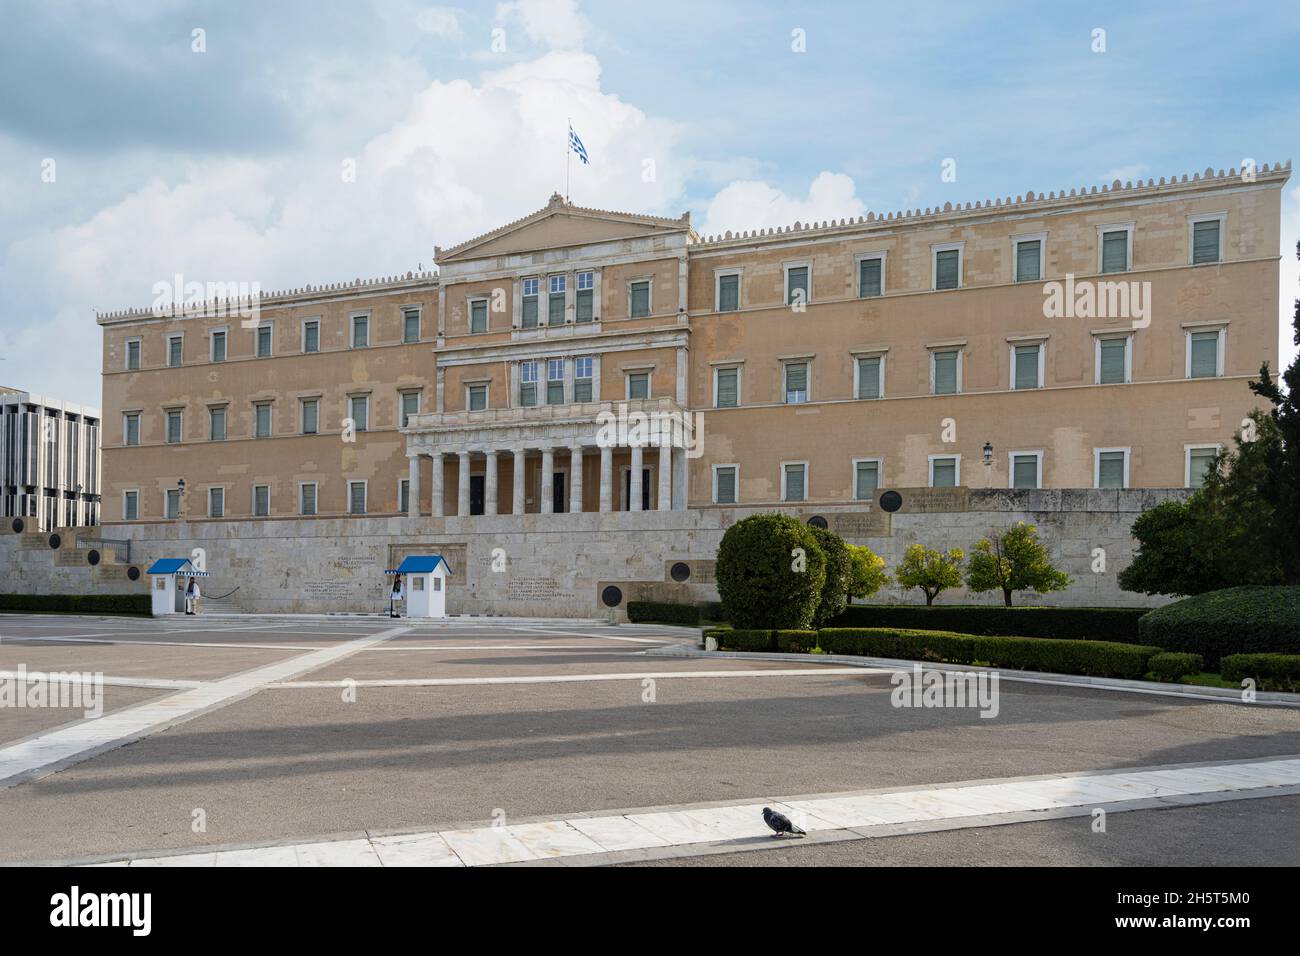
<point>931,571</point>
<point>1013,560</point>
<point>867,573</point>
<point>770,573</point>
<point>835,590</point>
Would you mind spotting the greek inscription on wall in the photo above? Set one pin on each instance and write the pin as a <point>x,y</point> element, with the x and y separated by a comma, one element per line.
<point>533,589</point>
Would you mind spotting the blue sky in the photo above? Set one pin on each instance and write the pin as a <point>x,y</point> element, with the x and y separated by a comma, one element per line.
<point>225,164</point>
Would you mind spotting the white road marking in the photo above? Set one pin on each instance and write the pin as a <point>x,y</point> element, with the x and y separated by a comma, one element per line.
<point>47,753</point>
<point>736,826</point>
<point>79,677</point>
<point>105,640</point>
<point>606,637</point>
<point>566,678</point>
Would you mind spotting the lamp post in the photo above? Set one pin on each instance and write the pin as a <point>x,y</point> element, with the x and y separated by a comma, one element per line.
<point>180,498</point>
<point>988,464</point>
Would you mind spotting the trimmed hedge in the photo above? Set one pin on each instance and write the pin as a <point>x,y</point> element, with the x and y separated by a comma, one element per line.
<point>663,612</point>
<point>1172,668</point>
<point>732,640</point>
<point>1269,671</point>
<point>1244,620</point>
<point>1092,658</point>
<point>78,603</point>
<point>1077,623</point>
<point>711,611</point>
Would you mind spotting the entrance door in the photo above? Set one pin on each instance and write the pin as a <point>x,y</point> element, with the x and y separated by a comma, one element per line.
<point>476,494</point>
<point>559,493</point>
<point>645,489</point>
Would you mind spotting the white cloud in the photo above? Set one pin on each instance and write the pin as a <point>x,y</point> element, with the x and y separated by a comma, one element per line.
<point>442,22</point>
<point>556,24</point>
<point>751,204</point>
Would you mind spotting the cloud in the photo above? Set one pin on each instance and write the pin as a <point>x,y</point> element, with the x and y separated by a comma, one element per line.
<point>753,204</point>
<point>442,22</point>
<point>555,24</point>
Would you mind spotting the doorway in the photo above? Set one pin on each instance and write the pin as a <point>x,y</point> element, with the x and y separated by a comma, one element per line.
<point>559,493</point>
<point>476,494</point>
<point>627,489</point>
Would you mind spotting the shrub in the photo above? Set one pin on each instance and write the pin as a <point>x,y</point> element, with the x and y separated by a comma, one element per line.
<point>1172,668</point>
<point>867,573</point>
<point>1092,658</point>
<point>931,571</point>
<point>839,566</point>
<point>78,603</point>
<point>1269,671</point>
<point>770,573</point>
<point>1077,623</point>
<point>711,611</point>
<point>796,642</point>
<point>663,612</point>
<point>1013,560</point>
<point>1243,620</point>
<point>742,640</point>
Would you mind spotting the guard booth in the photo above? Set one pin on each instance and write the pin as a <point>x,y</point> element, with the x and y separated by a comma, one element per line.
<point>168,598</point>
<point>426,584</point>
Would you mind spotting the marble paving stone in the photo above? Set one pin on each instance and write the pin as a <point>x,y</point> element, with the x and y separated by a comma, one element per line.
<point>617,833</point>
<point>487,845</point>
<point>420,849</point>
<point>259,856</point>
<point>189,859</point>
<point>554,838</point>
<point>676,827</point>
<point>834,813</point>
<point>735,823</point>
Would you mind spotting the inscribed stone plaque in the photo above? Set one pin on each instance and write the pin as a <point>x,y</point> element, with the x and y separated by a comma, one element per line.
<point>702,572</point>
<point>934,500</point>
<point>859,524</point>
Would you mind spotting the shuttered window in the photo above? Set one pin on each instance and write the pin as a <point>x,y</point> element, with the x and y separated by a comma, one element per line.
<point>131,506</point>
<point>173,427</point>
<point>585,306</point>
<point>262,420</point>
<point>307,499</point>
<point>411,325</point>
<point>794,482</point>
<point>638,385</point>
<point>1024,471</point>
<point>1201,461</point>
<point>478,395</point>
<point>726,492</point>
<point>728,387</point>
<point>529,315</point>
<point>869,277</point>
<point>356,497</point>
<point>132,427</point>
<point>264,341</point>
<point>582,378</point>
<point>1114,251</point>
<point>360,331</point>
<point>555,304</point>
<point>866,479</point>
<point>478,315</point>
<point>555,381</point>
<point>359,406</point>
<point>410,406</point>
<point>728,293</point>
<point>1205,241</point>
<point>1205,354</point>
<point>945,372</point>
<point>173,503</point>
<point>217,424</point>
<point>218,346</point>
<point>943,473</point>
<point>947,269</point>
<point>404,495</point>
<point>216,502</point>
<point>1113,361</point>
<point>174,350</point>
<point>869,377</point>
<point>527,384</point>
<point>310,416</point>
<point>796,282</point>
<point>1029,260</point>
<point>132,356</point>
<point>640,299</point>
<point>1110,469</point>
<point>261,500</point>
<point>796,382</point>
<point>1027,366</point>
<point>311,337</point>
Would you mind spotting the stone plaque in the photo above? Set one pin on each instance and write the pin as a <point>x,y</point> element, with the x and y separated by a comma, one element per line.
<point>859,524</point>
<point>702,572</point>
<point>934,500</point>
<point>533,589</point>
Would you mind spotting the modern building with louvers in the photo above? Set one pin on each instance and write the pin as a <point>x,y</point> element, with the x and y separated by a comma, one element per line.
<point>49,462</point>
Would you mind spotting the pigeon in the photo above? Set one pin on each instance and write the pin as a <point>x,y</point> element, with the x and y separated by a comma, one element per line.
<point>780,823</point>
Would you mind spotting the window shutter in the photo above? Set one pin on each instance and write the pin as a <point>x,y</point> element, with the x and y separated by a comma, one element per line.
<point>640,299</point>
<point>1205,354</point>
<point>309,499</point>
<point>868,480</point>
<point>1114,251</point>
<point>945,473</point>
<point>945,373</point>
<point>798,280</point>
<point>1027,366</point>
<point>1024,472</point>
<point>945,269</point>
<point>1205,241</point>
<point>1112,360</point>
<point>585,310</point>
<point>794,483</point>
<point>1110,470</point>
<point>530,312</point>
<point>555,315</point>
<point>357,496</point>
<point>311,338</point>
<point>869,377</point>
<point>478,319</point>
<point>726,486</point>
<point>727,397</point>
<point>1029,257</point>
<point>728,293</point>
<point>1202,459</point>
<point>869,278</point>
<point>411,328</point>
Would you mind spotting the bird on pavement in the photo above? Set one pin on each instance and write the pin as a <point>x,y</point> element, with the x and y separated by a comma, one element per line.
<point>780,823</point>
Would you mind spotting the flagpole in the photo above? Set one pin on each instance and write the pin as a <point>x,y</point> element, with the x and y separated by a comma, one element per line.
<point>568,151</point>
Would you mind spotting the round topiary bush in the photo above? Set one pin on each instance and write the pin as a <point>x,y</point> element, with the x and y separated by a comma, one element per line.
<point>1254,619</point>
<point>839,562</point>
<point>770,573</point>
<point>1172,668</point>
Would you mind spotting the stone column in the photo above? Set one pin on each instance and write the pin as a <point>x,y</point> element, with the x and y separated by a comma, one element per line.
<point>462,489</point>
<point>665,478</point>
<point>413,502</point>
<point>606,478</point>
<point>490,483</point>
<point>435,486</point>
<point>575,479</point>
<point>548,481</point>
<point>634,481</point>
<point>518,506</point>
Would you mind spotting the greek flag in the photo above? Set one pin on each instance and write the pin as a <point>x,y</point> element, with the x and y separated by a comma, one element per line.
<point>575,144</point>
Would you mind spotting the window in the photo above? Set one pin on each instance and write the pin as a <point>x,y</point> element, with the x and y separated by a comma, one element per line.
<point>582,379</point>
<point>410,406</point>
<point>261,501</point>
<point>173,503</point>
<point>1027,366</point>
<point>947,265</point>
<point>307,498</point>
<point>478,315</point>
<point>263,341</point>
<point>528,383</point>
<point>796,285</point>
<point>639,304</point>
<point>262,420</point>
<point>410,325</point>
<point>356,497</point>
<point>217,344</point>
<point>174,419</point>
<point>585,309</point>
<point>131,428</point>
<point>529,315</point>
<point>1205,354</point>
<point>133,355</point>
<point>726,387</point>
<point>1113,360</point>
<point>310,416</point>
<point>217,424</point>
<point>404,495</point>
<point>1206,238</point>
<point>360,331</point>
<point>794,476</point>
<point>175,350</point>
<point>638,385</point>
<point>311,335</point>
<point>1110,467</point>
<point>555,302</point>
<point>871,276</point>
<point>945,372</point>
<point>1026,469</point>
<point>1116,255</point>
<point>724,484</point>
<point>1029,259</point>
<point>870,372</point>
<point>728,292</point>
<point>478,398</point>
<point>866,478</point>
<point>216,502</point>
<point>945,471</point>
<point>130,505</point>
<point>555,381</point>
<point>1200,464</point>
<point>359,411</point>
<point>796,383</point>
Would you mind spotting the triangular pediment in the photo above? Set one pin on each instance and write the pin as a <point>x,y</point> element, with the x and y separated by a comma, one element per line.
<point>560,225</point>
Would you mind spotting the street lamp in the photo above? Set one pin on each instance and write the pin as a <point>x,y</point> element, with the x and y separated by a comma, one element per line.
<point>988,464</point>
<point>180,498</point>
